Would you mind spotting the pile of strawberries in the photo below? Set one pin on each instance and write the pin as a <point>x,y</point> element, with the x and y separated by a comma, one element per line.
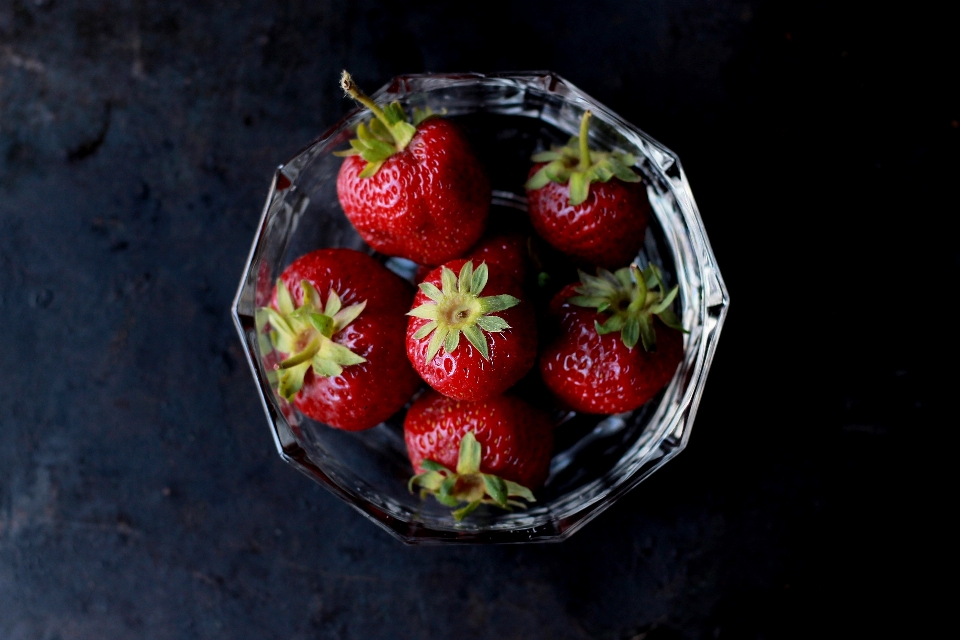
<point>353,342</point>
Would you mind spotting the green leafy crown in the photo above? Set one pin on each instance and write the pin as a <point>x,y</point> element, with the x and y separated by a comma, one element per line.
<point>631,298</point>
<point>305,335</point>
<point>577,165</point>
<point>467,484</point>
<point>458,309</point>
<point>388,132</point>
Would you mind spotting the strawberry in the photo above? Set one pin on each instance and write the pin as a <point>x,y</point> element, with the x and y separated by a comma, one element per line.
<point>498,350</point>
<point>505,250</point>
<point>586,204</point>
<point>595,364</point>
<point>337,320</point>
<point>412,190</point>
<point>499,447</point>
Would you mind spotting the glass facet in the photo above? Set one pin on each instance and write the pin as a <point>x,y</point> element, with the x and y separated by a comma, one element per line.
<point>597,459</point>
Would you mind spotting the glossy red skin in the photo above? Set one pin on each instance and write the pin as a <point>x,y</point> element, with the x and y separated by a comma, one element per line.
<point>606,230</point>
<point>427,203</point>
<point>366,394</point>
<point>599,374</point>
<point>516,439</point>
<point>508,250</point>
<point>464,374</point>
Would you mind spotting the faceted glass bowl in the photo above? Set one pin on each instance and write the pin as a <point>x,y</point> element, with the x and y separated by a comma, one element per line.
<point>597,459</point>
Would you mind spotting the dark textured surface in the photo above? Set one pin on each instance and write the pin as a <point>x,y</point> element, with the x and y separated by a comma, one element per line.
<point>140,494</point>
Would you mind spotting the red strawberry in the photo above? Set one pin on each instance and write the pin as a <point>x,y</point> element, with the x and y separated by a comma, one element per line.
<point>412,190</point>
<point>498,349</point>
<point>508,251</point>
<point>600,368</point>
<point>344,362</point>
<point>499,447</point>
<point>587,204</point>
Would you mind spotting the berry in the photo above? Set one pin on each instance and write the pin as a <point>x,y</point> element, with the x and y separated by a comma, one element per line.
<point>500,331</point>
<point>499,447</point>
<point>507,251</point>
<point>587,204</point>
<point>337,321</point>
<point>412,190</point>
<point>595,364</point>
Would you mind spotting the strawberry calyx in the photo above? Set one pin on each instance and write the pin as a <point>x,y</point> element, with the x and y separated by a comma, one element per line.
<point>458,309</point>
<point>388,133</point>
<point>578,166</point>
<point>467,484</point>
<point>305,335</point>
<point>631,297</point>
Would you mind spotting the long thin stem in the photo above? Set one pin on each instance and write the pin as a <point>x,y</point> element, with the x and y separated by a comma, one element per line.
<point>584,147</point>
<point>352,90</point>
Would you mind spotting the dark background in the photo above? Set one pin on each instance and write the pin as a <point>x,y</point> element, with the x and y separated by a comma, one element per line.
<point>140,493</point>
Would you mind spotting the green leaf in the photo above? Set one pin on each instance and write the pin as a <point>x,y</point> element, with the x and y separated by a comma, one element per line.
<point>339,354</point>
<point>431,465</point>
<point>322,323</point>
<point>592,302</point>
<point>492,324</point>
<point>378,129</point>
<point>310,295</point>
<point>290,381</point>
<point>449,280</point>
<point>469,459</point>
<point>515,489</point>
<point>394,113</point>
<point>326,368</point>
<point>431,291</point>
<point>427,311</point>
<point>333,303</point>
<point>631,332</point>
<point>403,132</point>
<point>557,171</point>
<point>492,304</point>
<point>623,172</point>
<point>452,342</point>
<point>278,322</point>
<point>479,341</point>
<point>537,180</point>
<point>312,348</point>
<point>496,488</point>
<point>465,281</point>
<point>666,302</point>
<point>346,153</point>
<point>436,341</point>
<point>579,188</point>
<point>370,170</point>
<point>670,319</point>
<point>284,301</point>
<point>480,277</point>
<point>647,334</point>
<point>345,316</point>
<point>623,277</point>
<point>460,514</point>
<point>425,330</point>
<point>546,156</point>
<point>614,323</point>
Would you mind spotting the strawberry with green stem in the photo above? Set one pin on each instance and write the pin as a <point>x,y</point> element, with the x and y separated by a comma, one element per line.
<point>478,451</point>
<point>465,345</point>
<point>412,189</point>
<point>618,341</point>
<point>587,204</point>
<point>467,483</point>
<point>341,360</point>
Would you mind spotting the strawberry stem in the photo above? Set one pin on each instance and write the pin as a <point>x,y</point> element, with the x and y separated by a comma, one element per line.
<point>584,147</point>
<point>351,89</point>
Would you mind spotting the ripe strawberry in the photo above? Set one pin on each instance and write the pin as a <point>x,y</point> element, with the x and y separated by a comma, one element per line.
<point>595,365</point>
<point>343,360</point>
<point>412,190</point>
<point>587,204</point>
<point>500,447</point>
<point>498,350</point>
<point>508,251</point>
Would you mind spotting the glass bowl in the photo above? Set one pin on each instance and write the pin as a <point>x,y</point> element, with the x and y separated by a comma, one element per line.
<point>597,459</point>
